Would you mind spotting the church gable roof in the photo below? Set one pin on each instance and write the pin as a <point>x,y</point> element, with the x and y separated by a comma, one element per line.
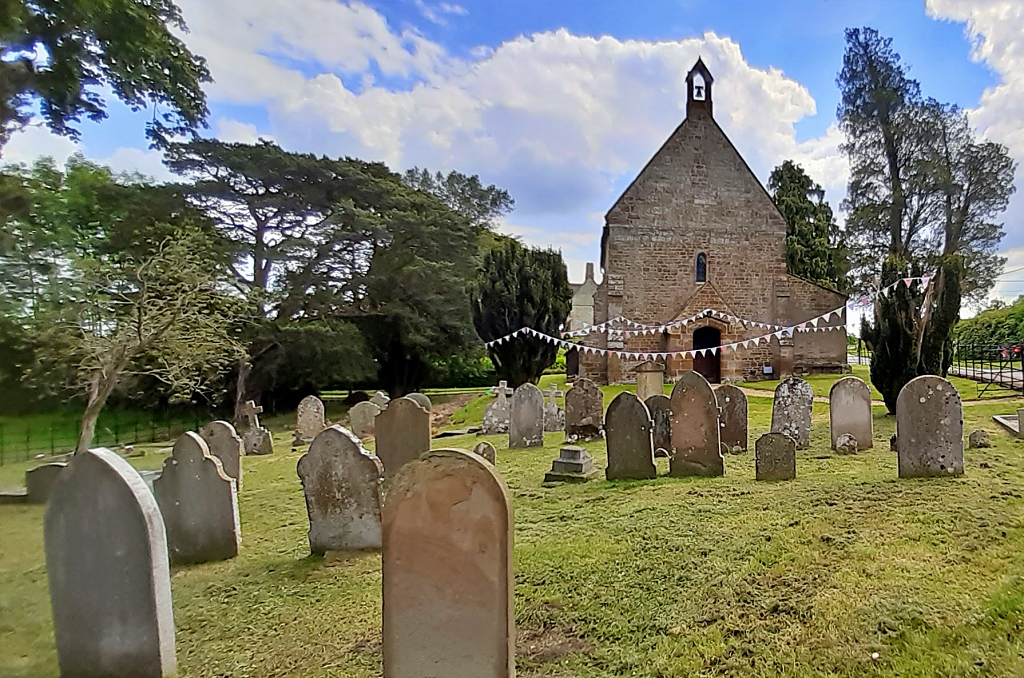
<point>706,297</point>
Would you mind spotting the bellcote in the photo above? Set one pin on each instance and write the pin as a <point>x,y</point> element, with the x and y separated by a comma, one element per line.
<point>698,89</point>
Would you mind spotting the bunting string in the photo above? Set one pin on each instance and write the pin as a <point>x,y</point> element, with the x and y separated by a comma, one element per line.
<point>638,329</point>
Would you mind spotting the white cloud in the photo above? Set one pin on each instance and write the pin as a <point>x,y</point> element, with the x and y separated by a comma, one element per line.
<point>233,131</point>
<point>436,13</point>
<point>36,141</point>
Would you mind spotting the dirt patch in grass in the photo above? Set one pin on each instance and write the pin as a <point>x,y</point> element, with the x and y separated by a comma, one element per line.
<point>441,413</point>
<point>549,644</point>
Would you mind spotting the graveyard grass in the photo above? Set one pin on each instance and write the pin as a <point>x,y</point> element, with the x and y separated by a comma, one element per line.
<point>672,577</point>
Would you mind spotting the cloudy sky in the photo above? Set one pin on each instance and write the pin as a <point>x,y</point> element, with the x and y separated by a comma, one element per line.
<point>563,101</point>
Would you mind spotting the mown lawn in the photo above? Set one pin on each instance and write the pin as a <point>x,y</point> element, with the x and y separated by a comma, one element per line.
<point>672,577</point>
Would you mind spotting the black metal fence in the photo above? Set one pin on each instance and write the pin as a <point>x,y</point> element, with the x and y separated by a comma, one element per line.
<point>993,366</point>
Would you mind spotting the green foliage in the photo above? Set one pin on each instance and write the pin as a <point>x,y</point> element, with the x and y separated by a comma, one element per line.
<point>521,287</point>
<point>471,368</point>
<point>815,249</point>
<point>1000,325</point>
<point>481,205</point>
<point>126,46</point>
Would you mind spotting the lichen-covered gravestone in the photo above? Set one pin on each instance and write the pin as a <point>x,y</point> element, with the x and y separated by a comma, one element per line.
<point>486,450</point>
<point>775,457</point>
<point>696,442</point>
<point>256,439</point>
<point>362,418</point>
<point>526,425</point>
<point>380,399</point>
<point>791,410</point>
<point>226,445</point>
<point>422,400</point>
<point>199,504</point>
<point>403,433</point>
<point>849,411</point>
<point>584,412</point>
<point>660,408</point>
<point>650,380</point>
<point>39,482</point>
<point>341,482</point>
<point>447,577</point>
<point>733,402</point>
<point>554,416</point>
<point>929,429</point>
<point>309,419</point>
<point>496,415</point>
<point>110,584</point>
<point>628,438</point>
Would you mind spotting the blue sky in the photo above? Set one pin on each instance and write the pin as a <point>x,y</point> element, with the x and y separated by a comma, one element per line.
<point>563,102</point>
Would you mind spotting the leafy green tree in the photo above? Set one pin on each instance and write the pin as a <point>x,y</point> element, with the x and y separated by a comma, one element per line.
<point>815,249</point>
<point>126,46</point>
<point>521,287</point>
<point>481,205</point>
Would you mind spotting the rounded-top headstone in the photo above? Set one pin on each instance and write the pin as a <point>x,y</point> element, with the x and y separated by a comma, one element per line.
<point>362,418</point>
<point>929,429</point>
<point>849,411</point>
<point>629,439</point>
<point>422,400</point>
<point>584,411</point>
<point>106,559</point>
<point>39,482</point>
<point>486,450</point>
<point>660,408</point>
<point>225,444</point>
<point>791,410</point>
<point>402,430</point>
<point>309,418</point>
<point>526,422</point>
<point>696,439</point>
<point>733,402</point>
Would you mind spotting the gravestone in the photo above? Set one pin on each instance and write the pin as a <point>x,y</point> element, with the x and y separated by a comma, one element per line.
<point>650,380</point>
<point>733,402</point>
<point>573,465</point>
<point>39,482</point>
<point>496,415</point>
<point>309,420</point>
<point>846,444</point>
<point>421,400</point>
<point>979,439</point>
<point>775,457</point>
<point>380,399</point>
<point>660,408</point>
<point>849,411</point>
<point>486,450</point>
<point>929,429</point>
<point>628,439</point>
<point>106,559</point>
<point>403,434</point>
<point>526,425</point>
<point>199,504</point>
<point>256,439</point>
<point>584,411</point>
<point>226,445</point>
<point>696,442</point>
<point>447,577</point>
<point>554,416</point>
<point>362,418</point>
<point>791,410</point>
<point>342,485</point>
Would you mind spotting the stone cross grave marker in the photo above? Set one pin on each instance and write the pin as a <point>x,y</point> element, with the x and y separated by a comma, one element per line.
<point>256,439</point>
<point>929,429</point>
<point>110,583</point>
<point>526,425</point>
<point>362,419</point>
<point>496,415</point>
<point>584,411</point>
<point>342,484</point>
<point>554,416</point>
<point>403,434</point>
<point>696,438</point>
<point>309,419</point>
<point>226,445</point>
<point>629,439</point>
<point>199,504</point>
<point>849,411</point>
<point>251,411</point>
<point>39,482</point>
<point>775,457</point>
<point>447,577</point>
<point>791,410</point>
<point>486,450</point>
<point>733,402</point>
<point>650,380</point>
<point>660,408</point>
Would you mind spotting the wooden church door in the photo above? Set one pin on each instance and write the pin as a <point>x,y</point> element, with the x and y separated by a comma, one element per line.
<point>708,364</point>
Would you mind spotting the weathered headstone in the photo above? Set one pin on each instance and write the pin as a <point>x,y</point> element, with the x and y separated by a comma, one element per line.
<point>929,429</point>
<point>696,442</point>
<point>342,484</point>
<point>733,402</point>
<point>660,408</point>
<point>584,411</point>
<point>497,414</point>
<point>526,425</point>
<point>256,439</point>
<point>309,419</point>
<point>39,482</point>
<point>554,416</point>
<point>226,445</point>
<point>791,410</point>
<point>422,400</point>
<point>846,444</point>
<point>199,504</point>
<point>629,440</point>
<point>110,584</point>
<point>849,411</point>
<point>362,418</point>
<point>775,457</point>
<point>380,399</point>
<point>403,434</point>
<point>447,575</point>
<point>486,450</point>
<point>573,465</point>
<point>650,380</point>
<point>979,439</point>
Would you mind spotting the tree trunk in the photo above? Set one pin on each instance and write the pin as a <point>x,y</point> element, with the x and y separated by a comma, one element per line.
<point>99,390</point>
<point>244,368</point>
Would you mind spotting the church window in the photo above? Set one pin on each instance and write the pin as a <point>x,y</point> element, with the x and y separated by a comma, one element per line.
<point>702,268</point>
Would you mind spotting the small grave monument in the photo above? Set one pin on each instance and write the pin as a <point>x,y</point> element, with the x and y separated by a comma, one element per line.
<point>660,408</point>
<point>929,429</point>
<point>775,457</point>
<point>526,426</point>
<point>380,399</point>
<point>979,439</point>
<point>584,412</point>
<point>628,438</point>
<point>486,450</point>
<point>791,410</point>
<point>1011,422</point>
<point>226,445</point>
<point>733,402</point>
<point>696,442</point>
<point>362,418</point>
<point>256,439</point>
<point>309,419</point>
<point>846,444</point>
<point>849,411</point>
<point>554,416</point>
<point>650,380</point>
<point>403,434</point>
<point>496,416</point>
<point>574,465</point>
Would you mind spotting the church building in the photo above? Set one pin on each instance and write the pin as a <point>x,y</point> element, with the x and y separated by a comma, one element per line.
<point>696,230</point>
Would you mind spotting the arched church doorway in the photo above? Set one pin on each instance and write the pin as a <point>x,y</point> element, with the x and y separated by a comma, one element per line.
<point>707,364</point>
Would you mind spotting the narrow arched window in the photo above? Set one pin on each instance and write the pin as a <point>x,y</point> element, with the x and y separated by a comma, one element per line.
<point>702,268</point>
